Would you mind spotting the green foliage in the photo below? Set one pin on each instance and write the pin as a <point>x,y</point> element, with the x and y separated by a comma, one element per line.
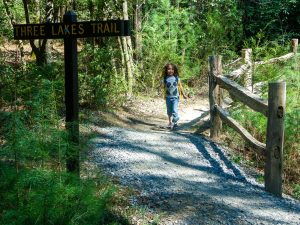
<point>297,191</point>
<point>178,33</point>
<point>237,159</point>
<point>16,8</point>
<point>222,28</point>
<point>31,83</point>
<point>264,49</point>
<point>32,127</point>
<point>251,120</point>
<point>7,82</point>
<point>39,144</point>
<point>260,178</point>
<point>275,18</point>
<point>4,31</point>
<point>165,31</point>
<point>34,187</point>
<point>183,32</point>
<point>41,196</point>
<point>100,85</point>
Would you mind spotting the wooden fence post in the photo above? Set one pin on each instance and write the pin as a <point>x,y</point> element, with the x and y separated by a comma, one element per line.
<point>215,96</point>
<point>275,136</point>
<point>247,58</point>
<point>294,45</point>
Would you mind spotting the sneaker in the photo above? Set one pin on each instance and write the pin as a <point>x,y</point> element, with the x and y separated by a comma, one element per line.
<point>175,119</point>
<point>175,126</point>
<point>170,126</point>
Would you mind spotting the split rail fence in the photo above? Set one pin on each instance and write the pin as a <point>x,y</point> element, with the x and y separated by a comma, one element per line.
<point>273,108</point>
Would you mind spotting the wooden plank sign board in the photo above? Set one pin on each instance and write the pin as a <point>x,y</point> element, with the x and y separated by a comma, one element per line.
<point>74,30</point>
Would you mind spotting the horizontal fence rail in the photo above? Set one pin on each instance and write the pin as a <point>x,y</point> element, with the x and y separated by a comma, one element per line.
<point>243,95</point>
<point>246,69</point>
<point>273,108</point>
<point>259,147</point>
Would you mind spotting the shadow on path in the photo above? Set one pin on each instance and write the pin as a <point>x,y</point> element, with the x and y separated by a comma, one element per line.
<point>201,184</point>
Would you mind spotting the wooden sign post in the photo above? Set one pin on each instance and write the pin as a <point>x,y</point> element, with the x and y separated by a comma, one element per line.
<point>70,30</point>
<point>71,95</point>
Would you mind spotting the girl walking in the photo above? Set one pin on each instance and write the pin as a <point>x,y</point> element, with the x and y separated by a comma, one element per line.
<point>173,90</point>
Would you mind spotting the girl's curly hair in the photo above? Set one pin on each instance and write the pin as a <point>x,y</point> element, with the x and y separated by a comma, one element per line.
<point>165,70</point>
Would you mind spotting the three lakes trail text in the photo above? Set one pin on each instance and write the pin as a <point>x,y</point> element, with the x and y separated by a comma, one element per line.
<point>76,29</point>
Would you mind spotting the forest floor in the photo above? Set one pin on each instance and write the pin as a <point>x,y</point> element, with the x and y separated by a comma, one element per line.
<point>181,177</point>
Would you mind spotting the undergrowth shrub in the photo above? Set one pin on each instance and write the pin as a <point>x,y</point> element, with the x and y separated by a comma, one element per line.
<point>42,196</point>
<point>32,128</point>
<point>101,84</point>
<point>34,186</point>
<point>264,49</point>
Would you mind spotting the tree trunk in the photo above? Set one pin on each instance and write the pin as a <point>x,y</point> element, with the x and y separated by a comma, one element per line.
<point>248,76</point>
<point>49,19</point>
<point>61,13</point>
<point>40,52</point>
<point>137,29</point>
<point>127,47</point>
<point>174,3</point>
<point>74,5</point>
<point>128,66</point>
<point>91,8</point>
<point>114,65</point>
<point>123,66</point>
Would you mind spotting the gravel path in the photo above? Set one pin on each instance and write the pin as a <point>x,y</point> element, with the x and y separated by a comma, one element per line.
<point>187,178</point>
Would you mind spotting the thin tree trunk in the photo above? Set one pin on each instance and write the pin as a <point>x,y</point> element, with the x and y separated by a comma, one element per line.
<point>91,9</point>
<point>114,66</point>
<point>122,61</point>
<point>61,13</point>
<point>74,5</point>
<point>127,47</point>
<point>49,18</point>
<point>40,52</point>
<point>128,66</point>
<point>138,28</point>
<point>114,79</point>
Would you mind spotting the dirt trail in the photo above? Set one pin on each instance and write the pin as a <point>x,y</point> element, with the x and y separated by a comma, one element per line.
<point>150,114</point>
<point>183,177</point>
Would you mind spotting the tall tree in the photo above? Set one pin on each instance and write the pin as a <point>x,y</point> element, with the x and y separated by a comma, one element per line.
<point>138,29</point>
<point>127,48</point>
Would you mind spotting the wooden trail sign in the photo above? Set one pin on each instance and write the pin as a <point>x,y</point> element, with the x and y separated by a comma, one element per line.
<point>75,30</point>
<point>70,30</point>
